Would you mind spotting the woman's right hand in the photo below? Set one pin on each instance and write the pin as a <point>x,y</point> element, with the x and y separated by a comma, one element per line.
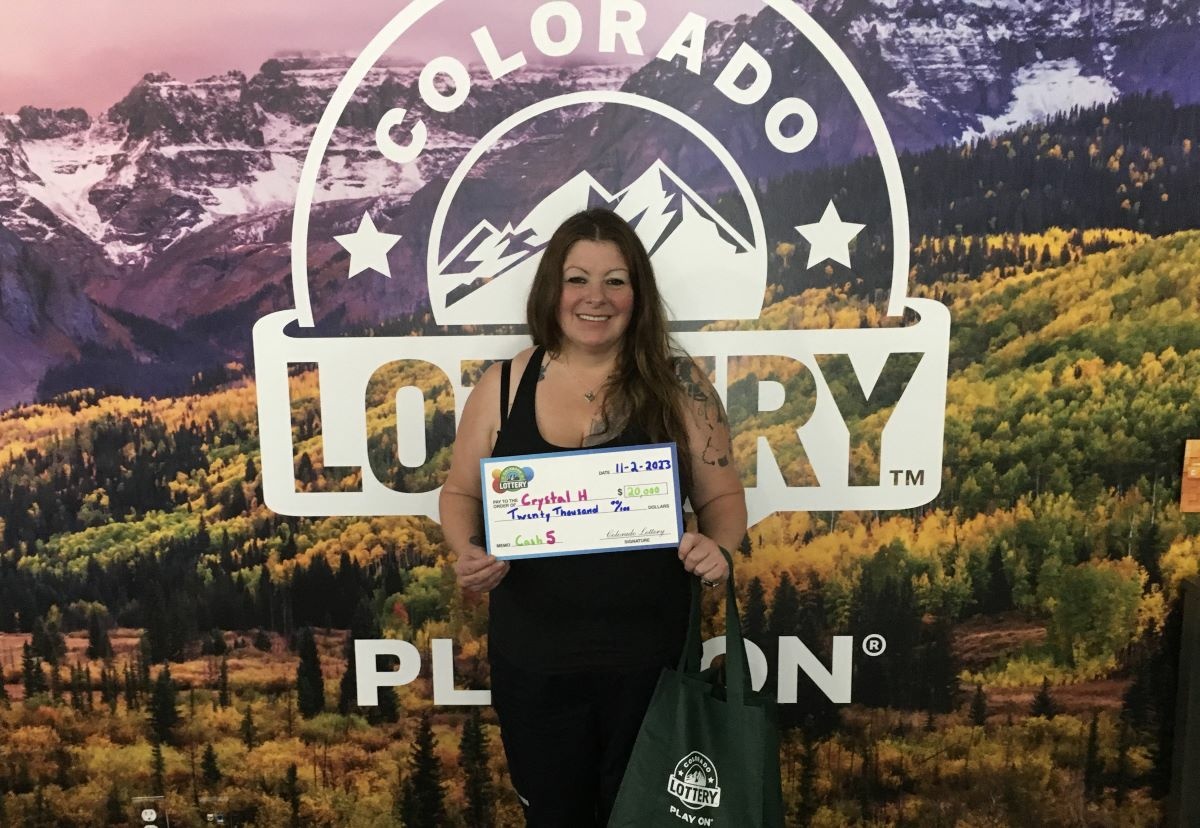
<point>477,570</point>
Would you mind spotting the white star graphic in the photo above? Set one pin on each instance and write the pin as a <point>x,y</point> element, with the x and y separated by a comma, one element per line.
<point>368,248</point>
<point>829,238</point>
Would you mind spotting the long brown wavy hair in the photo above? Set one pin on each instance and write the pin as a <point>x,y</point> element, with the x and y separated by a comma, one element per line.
<point>645,391</point>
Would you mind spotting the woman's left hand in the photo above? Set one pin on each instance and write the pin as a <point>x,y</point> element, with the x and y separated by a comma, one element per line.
<point>702,557</point>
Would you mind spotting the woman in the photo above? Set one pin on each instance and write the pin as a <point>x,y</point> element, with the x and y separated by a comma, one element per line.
<point>577,643</point>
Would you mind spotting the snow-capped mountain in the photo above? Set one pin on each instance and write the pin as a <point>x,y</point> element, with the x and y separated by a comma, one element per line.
<point>175,203</point>
<point>709,271</point>
<point>941,71</point>
<point>991,64</point>
<point>173,158</point>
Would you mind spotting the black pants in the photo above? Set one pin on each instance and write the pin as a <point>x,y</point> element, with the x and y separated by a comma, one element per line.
<point>568,738</point>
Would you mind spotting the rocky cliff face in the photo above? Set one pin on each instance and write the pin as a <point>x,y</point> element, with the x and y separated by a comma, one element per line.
<point>990,63</point>
<point>45,316</point>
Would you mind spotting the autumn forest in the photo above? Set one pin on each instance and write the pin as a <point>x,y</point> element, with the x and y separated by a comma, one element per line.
<point>163,633</point>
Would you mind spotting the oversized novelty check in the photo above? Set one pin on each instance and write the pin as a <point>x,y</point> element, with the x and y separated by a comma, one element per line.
<point>581,502</point>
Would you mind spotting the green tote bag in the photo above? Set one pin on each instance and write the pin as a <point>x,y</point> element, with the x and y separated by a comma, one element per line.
<point>707,754</point>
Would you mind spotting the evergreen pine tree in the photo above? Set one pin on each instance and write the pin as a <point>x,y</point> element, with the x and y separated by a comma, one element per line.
<point>75,687</point>
<point>1043,702</point>
<point>785,608</point>
<point>1124,772</point>
<point>55,683</point>
<point>131,689</point>
<point>114,808</point>
<point>31,672</point>
<point>110,688</point>
<point>164,712</point>
<point>310,686</point>
<point>158,638</point>
<point>47,639</point>
<point>249,732</point>
<point>424,799</point>
<point>477,781</point>
<point>754,616</point>
<point>979,709</point>
<point>158,768</point>
<point>235,502</point>
<point>997,597</point>
<point>399,794</point>
<point>1149,548</point>
<point>291,792</point>
<point>99,645</point>
<point>264,600</point>
<point>806,796</point>
<point>1092,768</point>
<point>209,772</point>
<point>866,781</point>
<point>223,683</point>
<point>304,469</point>
<point>1164,664</point>
<point>1137,702</point>
<point>4,698</point>
<point>141,664</point>
<point>346,607</point>
<point>937,668</point>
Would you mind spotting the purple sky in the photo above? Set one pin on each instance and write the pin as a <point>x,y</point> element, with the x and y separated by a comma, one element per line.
<point>90,52</point>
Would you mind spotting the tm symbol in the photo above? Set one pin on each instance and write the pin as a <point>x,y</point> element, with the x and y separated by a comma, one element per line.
<point>874,644</point>
<point>908,476</point>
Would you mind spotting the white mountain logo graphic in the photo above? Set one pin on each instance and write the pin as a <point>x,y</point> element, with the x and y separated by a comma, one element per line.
<point>704,267</point>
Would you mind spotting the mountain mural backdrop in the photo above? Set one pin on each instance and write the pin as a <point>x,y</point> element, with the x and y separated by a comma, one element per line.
<point>135,239</point>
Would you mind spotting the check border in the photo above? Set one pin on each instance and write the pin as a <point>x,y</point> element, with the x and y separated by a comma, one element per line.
<point>677,498</point>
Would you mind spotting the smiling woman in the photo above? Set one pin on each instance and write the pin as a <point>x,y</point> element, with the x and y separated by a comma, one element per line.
<point>597,298</point>
<point>577,642</point>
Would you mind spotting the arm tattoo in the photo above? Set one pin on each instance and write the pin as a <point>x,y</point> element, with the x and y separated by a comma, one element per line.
<point>709,412</point>
<point>476,540</point>
<point>542,371</point>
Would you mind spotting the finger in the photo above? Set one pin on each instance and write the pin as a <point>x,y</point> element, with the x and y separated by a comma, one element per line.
<point>700,553</point>
<point>493,578</point>
<point>714,567</point>
<point>471,567</point>
<point>714,571</point>
<point>472,573</point>
<point>492,569</point>
<point>687,543</point>
<point>474,561</point>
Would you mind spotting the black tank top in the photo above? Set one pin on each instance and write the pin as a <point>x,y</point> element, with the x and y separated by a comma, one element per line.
<point>582,612</point>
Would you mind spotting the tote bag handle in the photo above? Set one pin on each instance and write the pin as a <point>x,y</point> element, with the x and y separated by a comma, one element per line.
<point>737,670</point>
